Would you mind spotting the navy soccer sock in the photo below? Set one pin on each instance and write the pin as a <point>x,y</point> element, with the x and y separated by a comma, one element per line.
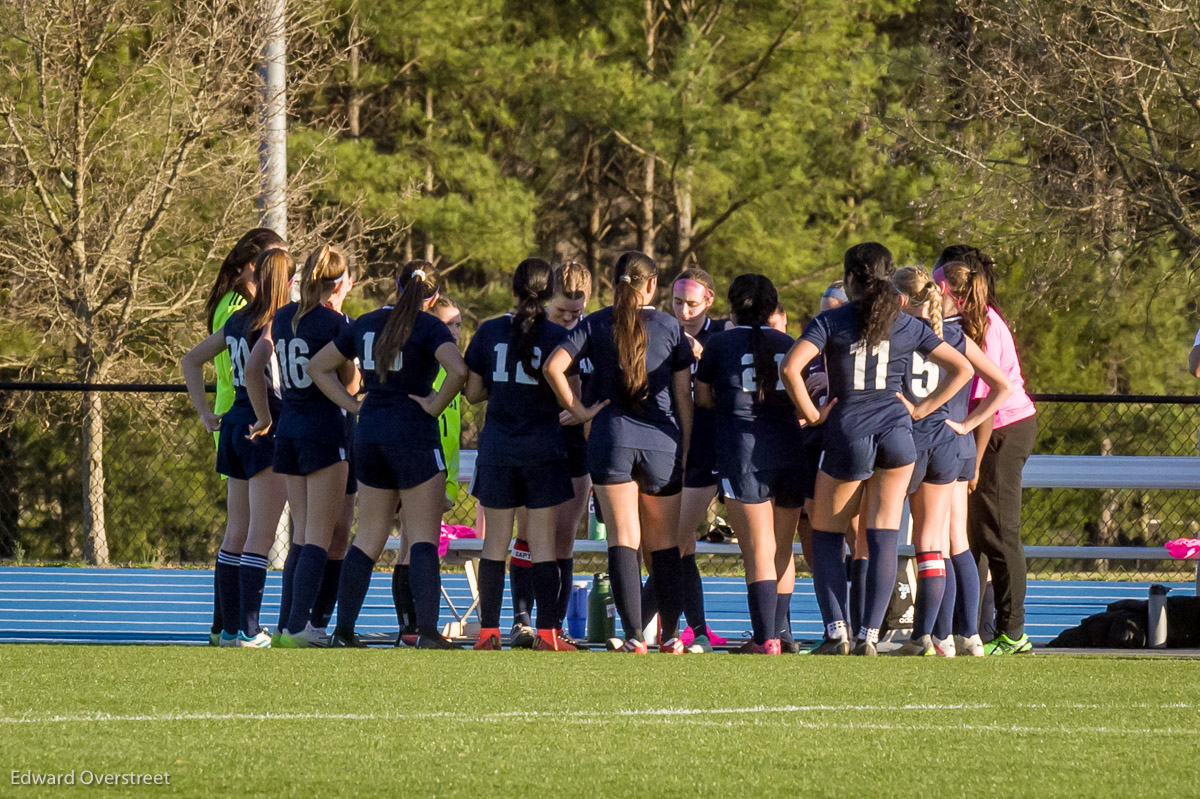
<point>252,577</point>
<point>545,591</point>
<point>943,626</point>
<point>858,591</point>
<point>783,617</point>
<point>352,590</point>
<point>228,587</point>
<point>931,584</point>
<point>881,580</point>
<point>425,572</point>
<point>966,606</point>
<point>491,591</point>
<point>693,595</point>
<point>829,580</point>
<point>310,568</point>
<point>218,621</point>
<point>668,586</point>
<point>288,585</point>
<point>626,579</point>
<point>566,583</point>
<point>760,596</point>
<point>402,597</point>
<point>327,596</point>
<point>521,584</point>
<point>649,599</point>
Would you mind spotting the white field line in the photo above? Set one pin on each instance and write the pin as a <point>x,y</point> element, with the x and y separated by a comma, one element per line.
<point>780,716</point>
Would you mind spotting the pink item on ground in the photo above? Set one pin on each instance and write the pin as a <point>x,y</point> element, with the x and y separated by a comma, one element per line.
<point>688,636</point>
<point>453,532</point>
<point>1184,548</point>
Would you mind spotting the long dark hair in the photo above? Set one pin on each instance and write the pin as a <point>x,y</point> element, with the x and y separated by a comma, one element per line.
<point>752,300</point>
<point>868,276</point>
<point>978,261</point>
<point>417,282</point>
<point>229,276</point>
<point>632,272</point>
<point>533,286</point>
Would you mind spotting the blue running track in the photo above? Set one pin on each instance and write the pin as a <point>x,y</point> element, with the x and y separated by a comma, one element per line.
<point>174,606</point>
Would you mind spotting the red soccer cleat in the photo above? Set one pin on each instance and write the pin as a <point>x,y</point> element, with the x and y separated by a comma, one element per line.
<point>489,640</point>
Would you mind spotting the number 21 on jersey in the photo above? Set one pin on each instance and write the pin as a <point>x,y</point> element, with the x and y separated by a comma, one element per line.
<point>750,377</point>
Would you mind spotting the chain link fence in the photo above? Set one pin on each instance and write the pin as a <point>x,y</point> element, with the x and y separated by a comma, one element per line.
<point>161,503</point>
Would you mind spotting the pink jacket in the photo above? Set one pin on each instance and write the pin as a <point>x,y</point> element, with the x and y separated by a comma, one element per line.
<point>999,346</point>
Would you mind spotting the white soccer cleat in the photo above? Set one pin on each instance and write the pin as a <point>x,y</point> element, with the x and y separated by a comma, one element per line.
<point>945,646</point>
<point>972,646</point>
<point>260,641</point>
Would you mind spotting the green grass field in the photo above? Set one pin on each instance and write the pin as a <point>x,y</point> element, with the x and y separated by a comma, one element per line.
<point>405,723</point>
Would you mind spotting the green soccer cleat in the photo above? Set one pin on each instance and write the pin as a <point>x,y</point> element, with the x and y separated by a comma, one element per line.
<point>917,647</point>
<point>286,640</point>
<point>1003,645</point>
<point>214,639</point>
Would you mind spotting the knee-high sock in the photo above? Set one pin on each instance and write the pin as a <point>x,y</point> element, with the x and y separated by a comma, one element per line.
<point>327,596</point>
<point>881,579</point>
<point>760,597</point>
<point>218,621</point>
<point>566,582</point>
<point>966,606</point>
<point>693,595</point>
<point>310,568</point>
<point>943,626</point>
<point>783,618</point>
<point>931,584</point>
<point>402,597</point>
<point>352,590</point>
<point>829,580</point>
<point>229,587</point>
<point>491,592</point>
<point>252,577</point>
<point>521,584</point>
<point>858,592</point>
<point>545,591</point>
<point>289,582</point>
<point>626,579</point>
<point>425,572</point>
<point>649,599</point>
<point>668,585</point>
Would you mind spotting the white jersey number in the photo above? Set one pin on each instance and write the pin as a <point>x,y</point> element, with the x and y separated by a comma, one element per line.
<point>750,377</point>
<point>925,376</point>
<point>293,363</point>
<point>500,373</point>
<point>881,353</point>
<point>368,363</point>
<point>239,355</point>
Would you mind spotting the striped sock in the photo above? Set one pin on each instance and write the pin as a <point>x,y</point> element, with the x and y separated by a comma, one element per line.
<point>931,584</point>
<point>228,569</point>
<point>252,578</point>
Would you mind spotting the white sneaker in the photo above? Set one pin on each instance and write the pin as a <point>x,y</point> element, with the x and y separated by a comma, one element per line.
<point>945,646</point>
<point>972,646</point>
<point>260,641</point>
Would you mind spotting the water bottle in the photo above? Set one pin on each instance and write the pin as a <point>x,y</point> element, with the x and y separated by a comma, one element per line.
<point>1157,611</point>
<point>577,611</point>
<point>602,612</point>
<point>597,531</point>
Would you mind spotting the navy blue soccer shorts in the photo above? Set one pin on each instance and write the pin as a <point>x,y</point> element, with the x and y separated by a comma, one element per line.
<point>534,485</point>
<point>656,473</point>
<point>784,486</point>
<point>937,466</point>
<point>240,458</point>
<point>858,458</point>
<point>393,468</point>
<point>303,457</point>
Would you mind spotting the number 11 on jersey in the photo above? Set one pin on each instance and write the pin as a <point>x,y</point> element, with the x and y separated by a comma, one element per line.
<point>880,354</point>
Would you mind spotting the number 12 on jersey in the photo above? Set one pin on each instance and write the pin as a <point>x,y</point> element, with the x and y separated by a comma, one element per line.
<point>875,361</point>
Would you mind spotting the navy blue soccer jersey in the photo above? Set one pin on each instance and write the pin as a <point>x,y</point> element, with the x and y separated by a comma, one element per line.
<point>749,436</point>
<point>388,415</point>
<point>239,341</point>
<point>649,424</point>
<point>958,406</point>
<point>865,382</point>
<point>521,425</point>
<point>307,413</point>
<point>924,376</point>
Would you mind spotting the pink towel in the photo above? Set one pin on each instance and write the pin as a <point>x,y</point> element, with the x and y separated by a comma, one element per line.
<point>452,532</point>
<point>1184,548</point>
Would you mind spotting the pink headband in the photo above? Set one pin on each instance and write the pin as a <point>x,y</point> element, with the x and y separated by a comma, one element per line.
<point>687,284</point>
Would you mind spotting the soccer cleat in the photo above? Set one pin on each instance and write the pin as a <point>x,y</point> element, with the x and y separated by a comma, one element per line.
<point>227,641</point>
<point>945,646</point>
<point>672,646</point>
<point>971,647</point>
<point>261,640</point>
<point>521,636</point>
<point>917,647</point>
<point>634,647</point>
<point>489,640</point>
<point>408,639</point>
<point>317,637</point>
<point>214,639</point>
<point>575,642</point>
<point>788,647</point>
<point>1003,645</point>
<point>339,641</point>
<point>614,644</point>
<point>552,641</point>
<point>831,646</point>
<point>700,645</point>
<point>435,641</point>
<point>865,648</point>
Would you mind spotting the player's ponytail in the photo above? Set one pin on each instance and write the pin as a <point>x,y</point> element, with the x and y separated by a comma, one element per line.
<point>752,300</point>
<point>323,271</point>
<point>417,282</point>
<point>969,287</point>
<point>272,272</point>
<point>868,272</point>
<point>573,281</point>
<point>532,285</point>
<point>978,261</point>
<point>229,276</point>
<point>914,282</point>
<point>632,272</point>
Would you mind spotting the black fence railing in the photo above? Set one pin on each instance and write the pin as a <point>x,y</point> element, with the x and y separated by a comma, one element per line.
<point>161,502</point>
